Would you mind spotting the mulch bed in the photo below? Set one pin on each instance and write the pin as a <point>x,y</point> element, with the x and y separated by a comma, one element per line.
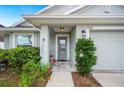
<point>9,79</point>
<point>84,81</point>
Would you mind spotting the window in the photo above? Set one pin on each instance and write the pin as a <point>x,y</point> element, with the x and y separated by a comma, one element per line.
<point>23,40</point>
<point>63,44</point>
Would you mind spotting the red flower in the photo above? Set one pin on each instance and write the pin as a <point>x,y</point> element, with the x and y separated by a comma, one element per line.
<point>53,61</point>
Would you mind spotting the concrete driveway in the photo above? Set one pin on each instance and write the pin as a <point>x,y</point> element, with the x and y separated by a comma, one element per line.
<point>110,79</point>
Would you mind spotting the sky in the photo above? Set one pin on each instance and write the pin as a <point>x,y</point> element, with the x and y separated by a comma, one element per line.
<point>10,14</point>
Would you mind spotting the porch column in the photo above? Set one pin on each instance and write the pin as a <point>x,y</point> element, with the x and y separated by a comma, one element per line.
<point>44,44</point>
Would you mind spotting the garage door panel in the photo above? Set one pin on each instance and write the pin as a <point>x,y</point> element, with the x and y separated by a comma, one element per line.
<point>106,66</point>
<point>111,44</point>
<point>110,60</point>
<point>110,55</point>
<point>110,49</point>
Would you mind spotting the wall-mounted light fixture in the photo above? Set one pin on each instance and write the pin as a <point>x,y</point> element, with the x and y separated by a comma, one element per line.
<point>62,29</point>
<point>83,33</point>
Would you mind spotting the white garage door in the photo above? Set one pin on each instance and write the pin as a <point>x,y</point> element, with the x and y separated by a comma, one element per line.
<point>110,49</point>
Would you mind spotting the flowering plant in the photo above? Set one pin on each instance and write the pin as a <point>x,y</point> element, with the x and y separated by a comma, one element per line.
<point>52,60</point>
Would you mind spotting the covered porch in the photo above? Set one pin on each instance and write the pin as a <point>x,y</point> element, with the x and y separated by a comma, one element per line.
<point>62,41</point>
<point>58,41</point>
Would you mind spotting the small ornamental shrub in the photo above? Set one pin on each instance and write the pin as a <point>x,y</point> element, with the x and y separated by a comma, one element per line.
<point>85,55</point>
<point>21,55</point>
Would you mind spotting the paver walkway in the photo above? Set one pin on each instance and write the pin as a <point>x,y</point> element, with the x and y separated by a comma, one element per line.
<point>60,79</point>
<point>62,67</point>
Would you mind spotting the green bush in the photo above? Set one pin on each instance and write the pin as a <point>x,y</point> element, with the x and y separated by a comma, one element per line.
<point>1,50</point>
<point>1,55</point>
<point>31,72</point>
<point>26,62</point>
<point>4,56</point>
<point>85,55</point>
<point>21,55</point>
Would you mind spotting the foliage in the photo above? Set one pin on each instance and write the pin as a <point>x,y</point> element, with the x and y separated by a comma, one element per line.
<point>85,55</point>
<point>1,50</point>
<point>21,55</point>
<point>25,61</point>
<point>4,56</point>
<point>5,83</point>
<point>31,72</point>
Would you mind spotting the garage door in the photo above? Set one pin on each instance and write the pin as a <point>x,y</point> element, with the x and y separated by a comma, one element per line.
<point>110,49</point>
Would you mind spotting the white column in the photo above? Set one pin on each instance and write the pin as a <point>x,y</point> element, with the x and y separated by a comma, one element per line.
<point>44,44</point>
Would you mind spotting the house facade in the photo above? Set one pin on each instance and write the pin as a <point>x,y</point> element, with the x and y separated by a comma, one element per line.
<point>57,28</point>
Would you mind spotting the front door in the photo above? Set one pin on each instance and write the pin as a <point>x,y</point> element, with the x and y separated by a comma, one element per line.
<point>62,48</point>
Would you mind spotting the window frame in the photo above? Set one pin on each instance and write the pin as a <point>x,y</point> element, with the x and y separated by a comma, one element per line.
<point>15,34</point>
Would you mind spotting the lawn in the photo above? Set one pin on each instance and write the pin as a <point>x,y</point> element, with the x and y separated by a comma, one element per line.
<point>84,81</point>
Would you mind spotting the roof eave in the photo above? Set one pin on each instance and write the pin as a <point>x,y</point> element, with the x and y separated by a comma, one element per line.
<point>15,29</point>
<point>74,19</point>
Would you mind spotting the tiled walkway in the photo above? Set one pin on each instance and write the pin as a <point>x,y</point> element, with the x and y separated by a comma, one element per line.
<point>60,79</point>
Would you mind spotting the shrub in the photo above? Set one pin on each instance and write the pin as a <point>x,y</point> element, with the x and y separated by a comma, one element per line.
<point>1,50</point>
<point>21,55</point>
<point>4,56</point>
<point>85,55</point>
<point>31,72</point>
